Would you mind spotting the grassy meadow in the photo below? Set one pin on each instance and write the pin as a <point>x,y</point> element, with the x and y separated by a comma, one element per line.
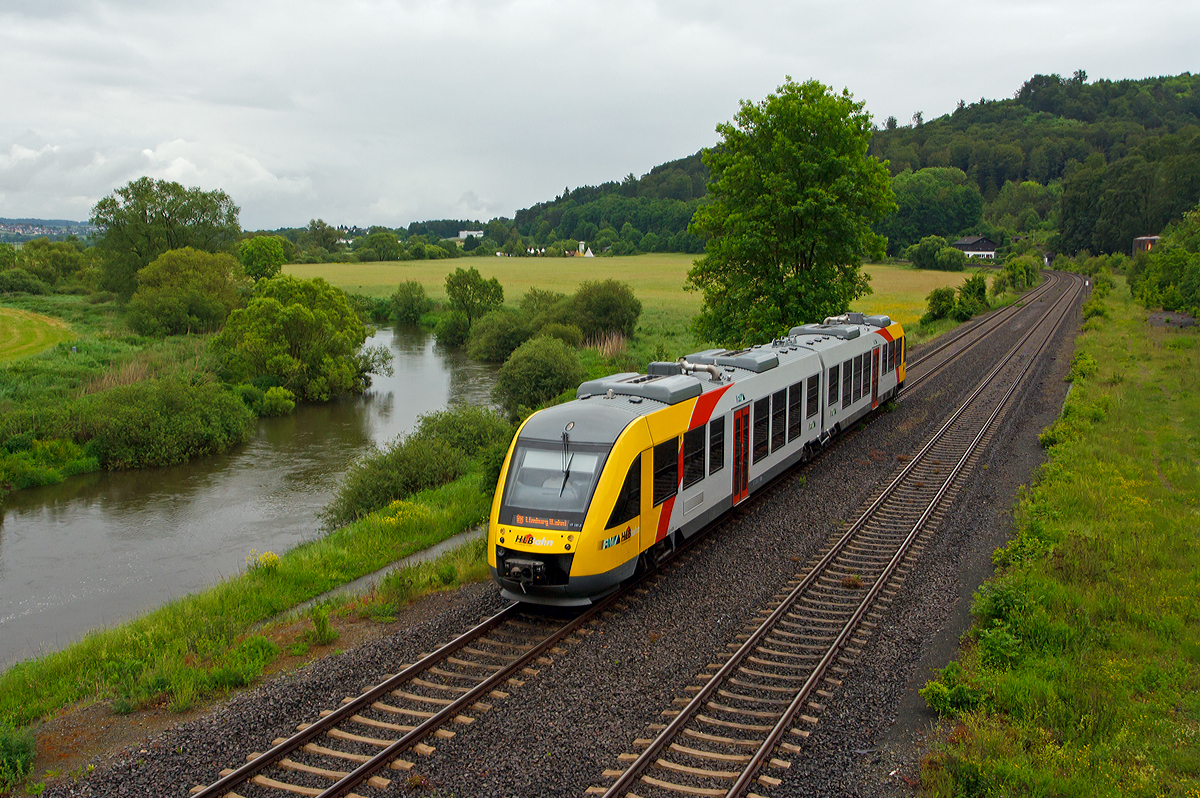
<point>1081,675</point>
<point>23,333</point>
<point>656,279</point>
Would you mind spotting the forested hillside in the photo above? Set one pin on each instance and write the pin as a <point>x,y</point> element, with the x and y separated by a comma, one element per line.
<point>1097,163</point>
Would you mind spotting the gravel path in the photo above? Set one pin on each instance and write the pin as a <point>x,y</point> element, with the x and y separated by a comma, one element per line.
<point>556,735</point>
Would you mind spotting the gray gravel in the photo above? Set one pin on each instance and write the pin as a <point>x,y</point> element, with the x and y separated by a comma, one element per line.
<point>557,734</point>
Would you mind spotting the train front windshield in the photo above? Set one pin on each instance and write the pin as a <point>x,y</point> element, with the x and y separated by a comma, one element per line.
<point>549,486</point>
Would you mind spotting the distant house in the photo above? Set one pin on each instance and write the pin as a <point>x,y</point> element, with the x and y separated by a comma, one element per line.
<point>464,233</point>
<point>976,246</point>
<point>1144,243</point>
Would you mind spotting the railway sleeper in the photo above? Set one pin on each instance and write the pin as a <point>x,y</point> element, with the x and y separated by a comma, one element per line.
<point>320,750</point>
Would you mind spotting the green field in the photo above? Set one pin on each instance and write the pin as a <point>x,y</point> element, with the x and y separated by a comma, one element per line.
<point>656,279</point>
<point>23,333</point>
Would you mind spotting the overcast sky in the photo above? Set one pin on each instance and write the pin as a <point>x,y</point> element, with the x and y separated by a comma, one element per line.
<point>393,111</point>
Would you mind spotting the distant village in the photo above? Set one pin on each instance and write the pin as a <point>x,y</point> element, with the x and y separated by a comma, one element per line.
<point>18,231</point>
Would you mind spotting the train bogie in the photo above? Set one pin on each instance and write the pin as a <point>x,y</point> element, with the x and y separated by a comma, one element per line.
<point>593,487</point>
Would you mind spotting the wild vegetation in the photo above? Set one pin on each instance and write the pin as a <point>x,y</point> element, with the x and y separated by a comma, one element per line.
<point>1081,673</point>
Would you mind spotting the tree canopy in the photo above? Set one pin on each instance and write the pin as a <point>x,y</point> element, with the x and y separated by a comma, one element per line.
<point>793,197</point>
<point>186,290</point>
<point>472,295</point>
<point>300,334</point>
<point>263,256</point>
<point>147,217</point>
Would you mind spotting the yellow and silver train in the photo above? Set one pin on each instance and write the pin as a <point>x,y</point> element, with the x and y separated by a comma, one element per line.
<point>639,462</point>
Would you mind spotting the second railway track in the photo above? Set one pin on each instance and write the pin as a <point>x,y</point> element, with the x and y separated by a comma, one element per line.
<point>737,727</point>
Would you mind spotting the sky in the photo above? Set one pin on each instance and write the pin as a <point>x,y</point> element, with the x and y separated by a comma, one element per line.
<point>384,112</point>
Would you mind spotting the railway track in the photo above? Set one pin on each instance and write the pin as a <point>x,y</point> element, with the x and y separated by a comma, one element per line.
<point>962,340</point>
<point>737,725</point>
<point>364,742</point>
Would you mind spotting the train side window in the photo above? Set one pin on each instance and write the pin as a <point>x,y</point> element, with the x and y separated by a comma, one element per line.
<point>847,382</point>
<point>716,445</point>
<point>762,428</point>
<point>629,501</point>
<point>666,470</point>
<point>833,385</point>
<point>693,456</point>
<point>891,357</point>
<point>858,364</point>
<point>814,396</point>
<point>795,405</point>
<point>779,410</point>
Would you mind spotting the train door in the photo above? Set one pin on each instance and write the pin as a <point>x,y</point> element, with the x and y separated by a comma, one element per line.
<point>875,378</point>
<point>741,454</point>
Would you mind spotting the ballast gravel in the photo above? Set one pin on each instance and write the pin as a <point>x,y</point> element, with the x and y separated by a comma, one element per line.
<point>558,733</point>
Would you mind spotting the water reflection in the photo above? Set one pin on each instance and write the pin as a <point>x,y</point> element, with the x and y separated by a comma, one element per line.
<point>101,548</point>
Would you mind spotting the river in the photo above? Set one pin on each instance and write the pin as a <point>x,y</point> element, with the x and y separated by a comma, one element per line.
<point>101,548</point>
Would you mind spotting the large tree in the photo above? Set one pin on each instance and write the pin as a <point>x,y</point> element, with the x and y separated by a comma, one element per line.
<point>472,295</point>
<point>793,197</point>
<point>148,217</point>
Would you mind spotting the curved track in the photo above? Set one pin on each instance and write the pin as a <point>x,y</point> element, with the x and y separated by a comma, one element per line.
<point>742,718</point>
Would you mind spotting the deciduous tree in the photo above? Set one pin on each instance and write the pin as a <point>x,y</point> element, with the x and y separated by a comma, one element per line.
<point>474,296</point>
<point>147,217</point>
<point>793,197</point>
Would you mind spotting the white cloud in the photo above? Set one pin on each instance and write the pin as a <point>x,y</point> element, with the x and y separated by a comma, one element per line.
<point>387,111</point>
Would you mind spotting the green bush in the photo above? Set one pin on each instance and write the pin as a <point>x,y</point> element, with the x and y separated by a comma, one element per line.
<point>409,303</point>
<point>940,304</point>
<point>302,333</point>
<point>538,371</point>
<point>569,334</point>
<point>186,290</point>
<point>605,307</point>
<point>407,466</point>
<point>278,401</point>
<point>163,422</point>
<point>950,259</point>
<point>467,428</point>
<point>1094,308</point>
<point>263,256</point>
<point>948,695</point>
<point>18,280</point>
<point>491,461</point>
<point>453,329</point>
<point>17,752</point>
<point>495,336</point>
<point>924,253</point>
<point>251,395</point>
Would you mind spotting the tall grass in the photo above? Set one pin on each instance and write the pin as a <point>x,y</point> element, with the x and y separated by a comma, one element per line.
<point>1081,675</point>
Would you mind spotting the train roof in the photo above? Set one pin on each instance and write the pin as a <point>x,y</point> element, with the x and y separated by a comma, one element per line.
<point>613,402</point>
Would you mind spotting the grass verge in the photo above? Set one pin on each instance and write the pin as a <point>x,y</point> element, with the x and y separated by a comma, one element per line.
<point>202,645</point>
<point>1081,674</point>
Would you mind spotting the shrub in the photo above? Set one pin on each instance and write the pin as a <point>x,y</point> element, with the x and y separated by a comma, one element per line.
<point>407,466</point>
<point>924,253</point>
<point>468,429</point>
<point>1094,308</point>
<point>185,290</point>
<point>539,370</point>
<point>409,303</point>
<point>162,422</point>
<point>491,461</point>
<point>536,301</point>
<point>453,329</point>
<point>17,752</point>
<point>18,280</point>
<point>604,307</point>
<point>251,396</point>
<point>950,259</point>
<point>470,294</point>
<point>278,401</point>
<point>302,333</point>
<point>569,334</point>
<point>999,284</point>
<point>495,336</point>
<point>940,303</point>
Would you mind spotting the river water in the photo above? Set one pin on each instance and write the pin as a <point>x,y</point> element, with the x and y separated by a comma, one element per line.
<point>101,548</point>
